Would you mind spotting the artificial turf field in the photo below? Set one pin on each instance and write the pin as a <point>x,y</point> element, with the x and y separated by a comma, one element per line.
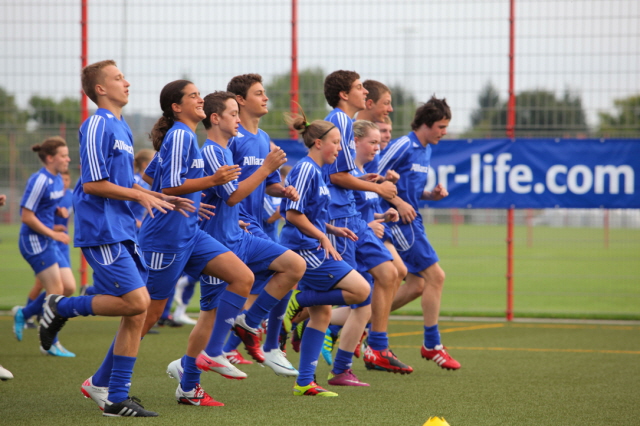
<point>512,374</point>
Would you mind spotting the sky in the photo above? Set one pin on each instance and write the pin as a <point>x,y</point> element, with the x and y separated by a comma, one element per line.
<point>450,48</point>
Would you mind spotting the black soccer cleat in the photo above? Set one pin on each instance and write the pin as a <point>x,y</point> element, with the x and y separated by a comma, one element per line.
<point>51,322</point>
<point>130,407</point>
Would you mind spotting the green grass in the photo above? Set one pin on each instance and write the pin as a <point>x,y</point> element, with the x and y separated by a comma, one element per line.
<point>565,273</point>
<point>512,374</point>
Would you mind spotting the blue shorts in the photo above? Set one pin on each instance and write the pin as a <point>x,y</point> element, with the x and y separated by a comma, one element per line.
<point>166,268</point>
<point>257,231</point>
<point>322,274</point>
<point>65,255</point>
<point>117,268</point>
<point>257,254</point>
<point>40,253</point>
<point>211,289</point>
<point>413,246</point>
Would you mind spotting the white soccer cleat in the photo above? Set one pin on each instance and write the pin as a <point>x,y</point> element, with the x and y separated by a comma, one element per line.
<point>219,364</point>
<point>183,318</point>
<point>99,394</point>
<point>278,362</point>
<point>174,370</point>
<point>5,374</point>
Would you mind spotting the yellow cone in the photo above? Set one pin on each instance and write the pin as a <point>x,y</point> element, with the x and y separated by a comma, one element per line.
<point>436,421</point>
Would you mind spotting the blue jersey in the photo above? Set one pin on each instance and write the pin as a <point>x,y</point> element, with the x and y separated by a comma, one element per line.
<point>224,225</point>
<point>342,201</point>
<point>249,152</point>
<point>410,160</point>
<point>137,208</point>
<point>42,195</point>
<point>179,159</point>
<point>307,177</point>
<point>67,202</point>
<point>367,202</point>
<point>270,205</point>
<point>106,153</point>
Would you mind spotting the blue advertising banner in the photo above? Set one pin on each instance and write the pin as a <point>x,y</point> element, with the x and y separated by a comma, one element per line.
<point>534,173</point>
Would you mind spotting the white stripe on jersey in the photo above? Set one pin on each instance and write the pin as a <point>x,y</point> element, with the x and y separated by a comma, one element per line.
<point>403,142</point>
<point>36,192</point>
<point>92,151</point>
<point>344,120</point>
<point>266,205</point>
<point>176,157</point>
<point>302,185</point>
<point>210,156</point>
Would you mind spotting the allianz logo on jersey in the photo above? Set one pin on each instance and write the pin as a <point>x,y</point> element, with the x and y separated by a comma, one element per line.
<point>198,163</point>
<point>370,195</point>
<point>419,168</point>
<point>122,146</point>
<point>54,195</point>
<point>324,190</point>
<point>253,161</point>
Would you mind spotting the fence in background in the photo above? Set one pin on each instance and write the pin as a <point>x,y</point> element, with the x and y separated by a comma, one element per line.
<point>577,74</point>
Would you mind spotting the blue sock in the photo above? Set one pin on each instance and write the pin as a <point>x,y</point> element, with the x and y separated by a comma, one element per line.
<point>228,309</point>
<point>431,336</point>
<point>378,340</point>
<point>260,309</point>
<point>342,362</point>
<point>335,330</point>
<point>34,307</point>
<point>189,289</point>
<point>120,378</point>
<point>315,298</point>
<point>232,343</point>
<point>102,376</point>
<point>71,307</point>
<point>191,375</point>
<point>310,346</point>
<point>272,341</point>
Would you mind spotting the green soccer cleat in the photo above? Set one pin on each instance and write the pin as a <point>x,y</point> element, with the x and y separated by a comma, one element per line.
<point>293,308</point>
<point>312,389</point>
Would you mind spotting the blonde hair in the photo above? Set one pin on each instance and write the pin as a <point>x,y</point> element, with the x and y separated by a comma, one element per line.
<point>361,128</point>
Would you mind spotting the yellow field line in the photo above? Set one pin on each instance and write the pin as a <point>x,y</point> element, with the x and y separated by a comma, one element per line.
<point>591,351</point>
<point>450,330</point>
<point>558,326</point>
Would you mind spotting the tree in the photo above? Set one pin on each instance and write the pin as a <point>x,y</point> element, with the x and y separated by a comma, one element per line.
<point>12,118</point>
<point>625,123</point>
<point>311,99</point>
<point>404,108</point>
<point>48,113</point>
<point>539,113</point>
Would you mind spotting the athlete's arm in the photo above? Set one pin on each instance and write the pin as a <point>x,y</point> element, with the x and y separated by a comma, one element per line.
<point>272,162</point>
<point>224,174</point>
<point>386,190</point>
<point>104,188</point>
<point>30,219</point>
<point>277,190</point>
<point>438,193</point>
<point>275,216</point>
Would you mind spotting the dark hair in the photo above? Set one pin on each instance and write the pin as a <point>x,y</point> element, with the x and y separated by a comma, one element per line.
<point>362,127</point>
<point>48,146</point>
<point>215,103</point>
<point>336,82</point>
<point>434,110</point>
<point>92,75</point>
<point>375,89</point>
<point>318,129</point>
<point>240,84</point>
<point>142,156</point>
<point>171,93</point>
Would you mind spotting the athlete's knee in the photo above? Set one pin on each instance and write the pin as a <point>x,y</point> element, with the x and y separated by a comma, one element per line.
<point>298,266</point>
<point>387,276</point>
<point>359,293</point>
<point>242,283</point>
<point>137,303</point>
<point>435,276</point>
<point>402,271</point>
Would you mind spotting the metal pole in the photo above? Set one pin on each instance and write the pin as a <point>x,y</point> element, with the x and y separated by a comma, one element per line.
<point>294,64</point>
<point>84,104</point>
<point>511,133</point>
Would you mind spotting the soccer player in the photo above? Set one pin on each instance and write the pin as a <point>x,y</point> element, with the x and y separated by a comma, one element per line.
<point>221,121</point>
<point>346,94</point>
<point>249,149</point>
<point>386,127</point>
<point>328,280</point>
<point>39,236</point>
<point>410,156</point>
<point>378,103</point>
<point>105,230</point>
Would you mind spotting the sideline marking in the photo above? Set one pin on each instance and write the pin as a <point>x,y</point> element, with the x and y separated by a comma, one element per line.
<point>590,351</point>
<point>450,330</point>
